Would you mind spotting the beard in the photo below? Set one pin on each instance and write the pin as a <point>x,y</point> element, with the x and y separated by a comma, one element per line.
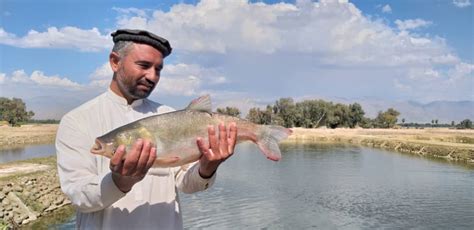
<point>130,88</point>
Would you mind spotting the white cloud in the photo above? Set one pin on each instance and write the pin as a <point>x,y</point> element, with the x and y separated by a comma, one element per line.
<point>258,43</point>
<point>411,24</point>
<point>462,71</point>
<point>319,29</point>
<point>39,79</point>
<point>19,76</point>
<point>445,59</point>
<point>187,79</point>
<point>387,9</point>
<point>462,3</point>
<point>186,86</point>
<point>64,38</point>
<point>134,11</point>
<point>102,76</point>
<point>2,78</point>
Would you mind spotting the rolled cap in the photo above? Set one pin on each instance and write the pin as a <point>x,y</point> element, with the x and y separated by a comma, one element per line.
<point>143,36</point>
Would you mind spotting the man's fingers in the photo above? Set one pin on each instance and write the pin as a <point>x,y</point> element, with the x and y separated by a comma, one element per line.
<point>132,158</point>
<point>232,137</point>
<point>116,162</point>
<point>203,147</point>
<point>223,150</point>
<point>118,155</point>
<point>151,159</point>
<point>143,158</point>
<point>213,142</point>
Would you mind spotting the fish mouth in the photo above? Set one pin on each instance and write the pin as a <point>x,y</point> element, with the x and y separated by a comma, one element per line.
<point>98,148</point>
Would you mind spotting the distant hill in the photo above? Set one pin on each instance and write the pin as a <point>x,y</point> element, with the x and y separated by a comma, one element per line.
<point>443,111</point>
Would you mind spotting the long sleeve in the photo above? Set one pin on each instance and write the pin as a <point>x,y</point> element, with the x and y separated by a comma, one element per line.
<point>80,179</point>
<point>188,179</point>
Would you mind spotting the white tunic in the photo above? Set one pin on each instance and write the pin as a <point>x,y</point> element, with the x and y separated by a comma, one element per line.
<point>86,178</point>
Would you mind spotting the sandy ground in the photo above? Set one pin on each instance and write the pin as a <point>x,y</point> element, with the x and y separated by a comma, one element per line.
<point>34,133</point>
<point>21,168</point>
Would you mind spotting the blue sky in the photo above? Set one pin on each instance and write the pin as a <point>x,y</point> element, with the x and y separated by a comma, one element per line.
<point>53,54</point>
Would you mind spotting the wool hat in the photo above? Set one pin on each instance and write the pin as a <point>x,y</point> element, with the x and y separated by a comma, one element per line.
<point>143,36</point>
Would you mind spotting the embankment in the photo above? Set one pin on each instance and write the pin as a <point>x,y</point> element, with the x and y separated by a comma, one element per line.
<point>448,144</point>
<point>29,190</point>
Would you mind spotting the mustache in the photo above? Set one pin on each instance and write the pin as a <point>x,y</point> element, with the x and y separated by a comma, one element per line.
<point>146,82</point>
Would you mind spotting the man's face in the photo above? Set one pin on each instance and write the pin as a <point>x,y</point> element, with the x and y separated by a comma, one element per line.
<point>139,71</point>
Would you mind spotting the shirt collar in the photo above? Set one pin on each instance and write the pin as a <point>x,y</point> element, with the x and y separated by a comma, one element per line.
<point>122,101</point>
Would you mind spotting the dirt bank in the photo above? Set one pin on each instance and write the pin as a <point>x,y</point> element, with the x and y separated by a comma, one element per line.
<point>29,190</point>
<point>448,144</point>
<point>27,134</point>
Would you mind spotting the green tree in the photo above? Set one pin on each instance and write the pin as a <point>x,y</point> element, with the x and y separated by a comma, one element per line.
<point>386,119</point>
<point>285,109</point>
<point>254,115</point>
<point>231,111</point>
<point>258,116</point>
<point>14,111</point>
<point>338,116</point>
<point>453,123</point>
<point>311,113</point>
<point>465,124</point>
<point>356,114</point>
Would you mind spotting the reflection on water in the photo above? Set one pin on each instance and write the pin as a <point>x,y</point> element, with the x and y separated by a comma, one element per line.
<point>332,187</point>
<point>24,152</point>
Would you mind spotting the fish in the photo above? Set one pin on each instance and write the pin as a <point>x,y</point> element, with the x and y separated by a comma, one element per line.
<point>174,134</point>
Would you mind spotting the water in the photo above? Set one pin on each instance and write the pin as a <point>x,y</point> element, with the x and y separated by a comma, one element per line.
<point>332,187</point>
<point>24,152</point>
<point>328,187</point>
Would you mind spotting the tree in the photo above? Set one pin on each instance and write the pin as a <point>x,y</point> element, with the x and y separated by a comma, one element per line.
<point>453,123</point>
<point>258,116</point>
<point>339,116</point>
<point>310,113</point>
<point>14,111</point>
<point>231,111</point>
<point>465,124</point>
<point>386,119</point>
<point>285,109</point>
<point>356,114</point>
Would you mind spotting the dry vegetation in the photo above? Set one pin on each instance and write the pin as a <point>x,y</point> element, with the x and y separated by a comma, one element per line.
<point>450,144</point>
<point>27,134</point>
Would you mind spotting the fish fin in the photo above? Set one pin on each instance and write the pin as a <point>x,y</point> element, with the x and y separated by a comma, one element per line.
<point>268,137</point>
<point>202,104</point>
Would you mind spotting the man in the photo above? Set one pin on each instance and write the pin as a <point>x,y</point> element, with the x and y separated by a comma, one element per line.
<point>125,192</point>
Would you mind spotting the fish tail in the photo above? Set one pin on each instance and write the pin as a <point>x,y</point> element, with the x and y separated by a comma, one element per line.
<point>268,137</point>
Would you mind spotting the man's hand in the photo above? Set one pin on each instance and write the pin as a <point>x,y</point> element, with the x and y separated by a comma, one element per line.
<point>126,172</point>
<point>217,150</point>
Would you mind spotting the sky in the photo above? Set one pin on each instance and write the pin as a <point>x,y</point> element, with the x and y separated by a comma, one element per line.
<point>54,54</point>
